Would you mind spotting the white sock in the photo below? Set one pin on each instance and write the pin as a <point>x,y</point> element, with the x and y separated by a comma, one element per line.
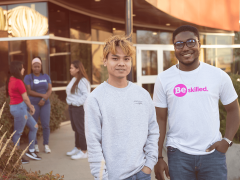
<point>31,150</point>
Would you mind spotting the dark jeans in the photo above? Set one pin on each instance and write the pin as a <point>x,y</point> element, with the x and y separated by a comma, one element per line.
<point>183,166</point>
<point>140,176</point>
<point>44,113</point>
<point>77,120</point>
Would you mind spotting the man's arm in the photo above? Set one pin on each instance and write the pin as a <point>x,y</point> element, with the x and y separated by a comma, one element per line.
<point>93,132</point>
<point>151,145</point>
<point>161,164</point>
<point>232,125</point>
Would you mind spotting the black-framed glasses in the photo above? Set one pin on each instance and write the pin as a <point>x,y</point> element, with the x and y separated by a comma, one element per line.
<point>190,43</point>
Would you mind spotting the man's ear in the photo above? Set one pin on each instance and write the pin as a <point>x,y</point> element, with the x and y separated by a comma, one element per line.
<point>104,62</point>
<point>199,45</point>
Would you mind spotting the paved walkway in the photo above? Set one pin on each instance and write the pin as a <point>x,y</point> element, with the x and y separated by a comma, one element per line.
<point>61,141</point>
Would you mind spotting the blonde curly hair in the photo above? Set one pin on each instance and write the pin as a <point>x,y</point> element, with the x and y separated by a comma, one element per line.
<point>118,41</point>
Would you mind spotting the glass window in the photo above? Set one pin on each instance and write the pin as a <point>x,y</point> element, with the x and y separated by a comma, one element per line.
<point>218,39</point>
<point>80,27</point>
<point>99,72</point>
<point>83,52</point>
<point>236,61</point>
<point>58,21</point>
<point>25,51</point>
<point>149,88</point>
<point>169,59</point>
<point>60,57</point>
<point>221,58</point>
<point>149,62</point>
<point>100,29</point>
<point>28,19</point>
<point>3,22</point>
<point>153,37</point>
<point>4,62</point>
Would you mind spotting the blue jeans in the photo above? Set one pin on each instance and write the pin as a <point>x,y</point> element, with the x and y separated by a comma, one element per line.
<point>21,119</point>
<point>183,166</point>
<point>44,113</point>
<point>140,176</point>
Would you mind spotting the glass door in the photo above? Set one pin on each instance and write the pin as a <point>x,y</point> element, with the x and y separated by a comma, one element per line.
<point>152,60</point>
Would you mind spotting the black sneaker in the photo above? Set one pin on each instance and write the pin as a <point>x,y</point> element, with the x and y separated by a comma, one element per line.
<point>33,155</point>
<point>24,161</point>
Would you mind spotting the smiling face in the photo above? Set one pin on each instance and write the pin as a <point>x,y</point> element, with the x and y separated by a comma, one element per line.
<point>74,71</point>
<point>187,56</point>
<point>36,68</point>
<point>118,65</point>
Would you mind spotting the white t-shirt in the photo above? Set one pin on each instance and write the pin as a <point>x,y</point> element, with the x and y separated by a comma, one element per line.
<point>81,94</point>
<point>192,100</point>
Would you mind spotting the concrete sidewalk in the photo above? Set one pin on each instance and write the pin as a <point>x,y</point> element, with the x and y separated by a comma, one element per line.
<point>61,141</point>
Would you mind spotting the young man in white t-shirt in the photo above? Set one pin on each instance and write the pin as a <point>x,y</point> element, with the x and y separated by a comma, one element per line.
<point>120,121</point>
<point>187,94</point>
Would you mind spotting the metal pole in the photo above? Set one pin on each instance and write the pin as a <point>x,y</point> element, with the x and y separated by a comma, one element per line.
<point>129,28</point>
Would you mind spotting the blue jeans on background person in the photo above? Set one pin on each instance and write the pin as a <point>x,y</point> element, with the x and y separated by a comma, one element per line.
<point>140,176</point>
<point>21,119</point>
<point>44,113</point>
<point>184,166</point>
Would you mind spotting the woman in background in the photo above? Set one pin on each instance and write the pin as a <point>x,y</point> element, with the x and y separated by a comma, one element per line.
<point>19,102</point>
<point>39,89</point>
<point>77,92</point>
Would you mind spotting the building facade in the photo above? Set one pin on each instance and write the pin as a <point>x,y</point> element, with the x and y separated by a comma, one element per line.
<point>61,32</point>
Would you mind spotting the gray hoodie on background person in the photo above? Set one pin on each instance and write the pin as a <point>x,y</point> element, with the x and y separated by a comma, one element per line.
<point>121,131</point>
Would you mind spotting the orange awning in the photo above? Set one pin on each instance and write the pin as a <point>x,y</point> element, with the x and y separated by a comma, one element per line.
<point>220,14</point>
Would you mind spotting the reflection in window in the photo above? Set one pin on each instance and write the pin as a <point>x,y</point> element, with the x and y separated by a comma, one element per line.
<point>219,39</point>
<point>153,37</point>
<point>149,62</point>
<point>60,56</point>
<point>83,53</point>
<point>169,59</point>
<point>80,27</point>
<point>99,72</point>
<point>58,21</point>
<point>25,51</point>
<point>3,21</point>
<point>100,29</point>
<point>221,58</point>
<point>29,19</point>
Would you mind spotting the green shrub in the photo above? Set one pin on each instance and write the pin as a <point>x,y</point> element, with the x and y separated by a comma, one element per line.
<point>236,83</point>
<point>57,116</point>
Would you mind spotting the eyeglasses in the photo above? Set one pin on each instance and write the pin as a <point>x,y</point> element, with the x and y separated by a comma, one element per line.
<point>190,43</point>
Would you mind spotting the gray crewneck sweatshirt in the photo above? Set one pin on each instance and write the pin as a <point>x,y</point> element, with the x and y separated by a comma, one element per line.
<point>121,131</point>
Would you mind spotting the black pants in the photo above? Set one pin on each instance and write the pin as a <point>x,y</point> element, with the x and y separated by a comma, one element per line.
<point>77,120</point>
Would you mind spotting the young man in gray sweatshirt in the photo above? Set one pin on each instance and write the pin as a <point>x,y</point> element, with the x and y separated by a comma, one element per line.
<point>120,121</point>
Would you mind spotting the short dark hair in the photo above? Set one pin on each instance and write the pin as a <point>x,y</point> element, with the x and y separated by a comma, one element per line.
<point>185,28</point>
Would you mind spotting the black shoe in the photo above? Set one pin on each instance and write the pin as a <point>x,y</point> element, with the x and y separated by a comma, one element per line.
<point>24,161</point>
<point>33,155</point>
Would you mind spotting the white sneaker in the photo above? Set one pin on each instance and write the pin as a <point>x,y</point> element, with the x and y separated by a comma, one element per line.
<point>47,149</point>
<point>80,155</point>
<point>36,148</point>
<point>74,151</point>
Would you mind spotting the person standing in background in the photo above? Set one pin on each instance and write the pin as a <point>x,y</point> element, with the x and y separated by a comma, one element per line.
<point>39,89</point>
<point>19,101</point>
<point>77,92</point>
